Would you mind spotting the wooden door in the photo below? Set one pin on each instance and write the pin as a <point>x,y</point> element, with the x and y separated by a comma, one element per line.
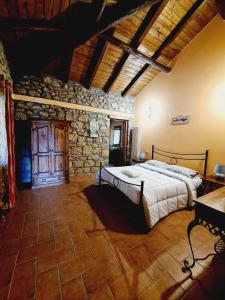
<point>49,153</point>
<point>60,155</point>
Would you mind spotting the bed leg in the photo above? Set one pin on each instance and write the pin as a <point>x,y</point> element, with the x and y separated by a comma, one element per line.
<point>100,174</point>
<point>142,191</point>
<point>153,151</point>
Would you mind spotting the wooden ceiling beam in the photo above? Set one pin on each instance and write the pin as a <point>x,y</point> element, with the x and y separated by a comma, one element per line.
<point>139,36</point>
<point>16,24</point>
<point>100,4</point>
<point>136,53</point>
<point>80,25</point>
<point>221,7</point>
<point>66,59</point>
<point>169,39</point>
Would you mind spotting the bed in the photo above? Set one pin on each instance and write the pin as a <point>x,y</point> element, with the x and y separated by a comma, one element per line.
<point>160,188</point>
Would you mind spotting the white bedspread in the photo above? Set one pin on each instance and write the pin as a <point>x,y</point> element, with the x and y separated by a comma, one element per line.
<point>164,191</point>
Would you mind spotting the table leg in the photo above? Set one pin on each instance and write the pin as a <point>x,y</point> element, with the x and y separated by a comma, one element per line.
<point>188,266</point>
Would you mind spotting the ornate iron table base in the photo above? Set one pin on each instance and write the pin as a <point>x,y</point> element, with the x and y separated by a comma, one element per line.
<point>212,219</point>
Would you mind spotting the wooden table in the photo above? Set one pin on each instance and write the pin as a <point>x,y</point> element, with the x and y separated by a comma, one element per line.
<point>210,213</point>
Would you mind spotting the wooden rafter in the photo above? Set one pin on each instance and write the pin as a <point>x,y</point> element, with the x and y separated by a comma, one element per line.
<point>27,56</point>
<point>16,24</point>
<point>66,58</point>
<point>95,60</point>
<point>100,4</point>
<point>131,50</point>
<point>221,7</point>
<point>145,26</point>
<point>171,37</point>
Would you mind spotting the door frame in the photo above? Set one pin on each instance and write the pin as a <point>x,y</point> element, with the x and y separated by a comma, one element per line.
<point>124,138</point>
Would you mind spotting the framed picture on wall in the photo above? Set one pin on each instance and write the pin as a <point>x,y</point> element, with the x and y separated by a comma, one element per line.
<point>93,128</point>
<point>180,120</point>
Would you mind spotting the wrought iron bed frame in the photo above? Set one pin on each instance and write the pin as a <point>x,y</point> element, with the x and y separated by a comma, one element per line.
<point>155,150</point>
<point>117,179</point>
<point>174,156</point>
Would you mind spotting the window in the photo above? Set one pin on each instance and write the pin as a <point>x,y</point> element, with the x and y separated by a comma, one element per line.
<point>116,136</point>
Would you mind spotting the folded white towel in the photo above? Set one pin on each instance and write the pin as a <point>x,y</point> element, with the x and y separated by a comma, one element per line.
<point>131,173</point>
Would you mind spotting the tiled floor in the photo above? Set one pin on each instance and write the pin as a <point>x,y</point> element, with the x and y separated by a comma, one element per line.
<point>57,246</point>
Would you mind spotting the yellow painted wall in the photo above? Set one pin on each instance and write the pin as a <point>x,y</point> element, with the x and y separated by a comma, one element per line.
<point>195,87</point>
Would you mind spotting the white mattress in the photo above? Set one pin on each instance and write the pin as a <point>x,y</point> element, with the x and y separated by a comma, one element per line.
<point>164,191</point>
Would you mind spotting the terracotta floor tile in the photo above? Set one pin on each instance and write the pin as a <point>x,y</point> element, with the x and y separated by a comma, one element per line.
<point>141,256</point>
<point>172,266</point>
<point>130,285</point>
<point>179,250</point>
<point>201,237</point>
<point>156,242</point>
<point>32,215</point>
<point>48,216</point>
<point>63,238</point>
<point>218,269</point>
<point>36,251</point>
<point>76,266</point>
<point>4,292</point>
<point>45,232</point>
<point>167,230</point>
<point>123,256</point>
<point>101,274</point>
<point>212,281</point>
<point>30,229</point>
<point>71,240</point>
<point>102,248</point>
<point>203,252</point>
<point>74,289</point>
<point>103,293</point>
<point>14,230</point>
<point>54,258</point>
<point>7,263</point>
<point>164,288</point>
<point>74,227</point>
<point>48,286</point>
<point>81,243</point>
<point>13,245</point>
<point>23,283</point>
<point>133,240</point>
<point>195,293</point>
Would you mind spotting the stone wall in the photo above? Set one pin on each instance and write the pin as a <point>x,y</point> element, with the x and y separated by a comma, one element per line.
<point>4,68</point>
<point>85,153</point>
<point>49,87</point>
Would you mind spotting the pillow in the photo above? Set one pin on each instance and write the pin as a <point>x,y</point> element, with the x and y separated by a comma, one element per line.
<point>157,163</point>
<point>131,173</point>
<point>182,170</point>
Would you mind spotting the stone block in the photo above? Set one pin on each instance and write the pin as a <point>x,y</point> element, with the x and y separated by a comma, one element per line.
<point>78,164</point>
<point>105,153</point>
<point>87,150</point>
<point>89,163</point>
<point>94,169</point>
<point>75,150</point>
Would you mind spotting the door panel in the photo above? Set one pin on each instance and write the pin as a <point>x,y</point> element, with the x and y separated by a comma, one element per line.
<point>43,164</point>
<point>49,152</point>
<point>59,163</point>
<point>59,142</point>
<point>43,135</point>
<point>60,149</point>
